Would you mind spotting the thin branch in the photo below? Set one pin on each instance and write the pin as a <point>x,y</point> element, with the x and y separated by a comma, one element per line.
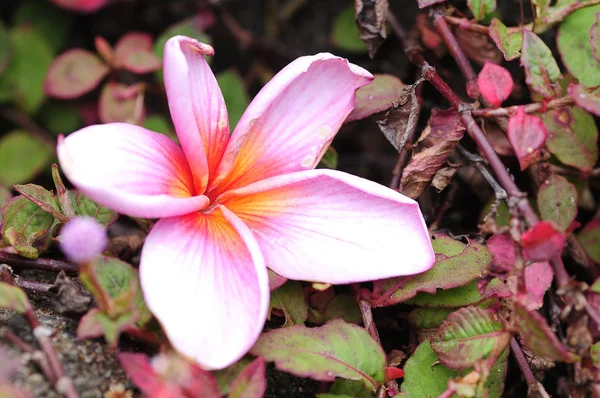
<point>532,382</point>
<point>42,264</point>
<point>529,108</point>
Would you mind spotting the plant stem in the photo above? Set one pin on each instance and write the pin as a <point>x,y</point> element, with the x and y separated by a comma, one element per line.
<point>529,108</point>
<point>55,372</point>
<point>33,286</point>
<point>532,382</point>
<point>448,393</point>
<point>367,316</point>
<point>42,264</point>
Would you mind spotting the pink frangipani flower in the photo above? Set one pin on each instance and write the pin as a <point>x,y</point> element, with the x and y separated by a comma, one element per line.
<point>231,206</point>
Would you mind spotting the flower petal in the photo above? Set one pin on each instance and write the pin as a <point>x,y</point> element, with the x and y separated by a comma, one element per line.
<point>130,170</point>
<point>291,121</point>
<point>197,106</point>
<point>329,226</point>
<point>204,278</point>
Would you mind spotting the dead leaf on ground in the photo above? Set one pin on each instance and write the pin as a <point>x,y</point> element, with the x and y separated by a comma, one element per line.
<point>478,47</point>
<point>401,118</point>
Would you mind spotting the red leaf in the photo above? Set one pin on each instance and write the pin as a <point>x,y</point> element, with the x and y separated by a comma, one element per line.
<point>393,373</point>
<point>74,73</point>
<point>140,371</point>
<point>251,382</point>
<point>538,278</point>
<point>504,251</point>
<point>527,134</point>
<point>542,242</point>
<point>495,83</point>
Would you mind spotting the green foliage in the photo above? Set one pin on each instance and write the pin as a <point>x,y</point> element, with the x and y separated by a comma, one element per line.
<point>344,34</point>
<point>13,298</point>
<point>23,222</point>
<point>557,201</point>
<point>329,159</point>
<point>575,48</point>
<point>290,300</point>
<point>572,137</point>
<point>337,349</point>
<point>540,66</point>
<point>52,23</point>
<point>23,82</point>
<point>481,8</point>
<point>22,157</point>
<point>60,117</point>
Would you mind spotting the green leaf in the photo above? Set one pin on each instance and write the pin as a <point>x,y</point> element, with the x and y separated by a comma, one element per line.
<point>159,124</point>
<point>461,296</point>
<point>377,96</point>
<point>595,353</point>
<point>74,73</point>
<point>22,157</point>
<point>572,137</point>
<point>96,323</point>
<point>589,237</point>
<point>52,23</point>
<point>481,8</point>
<point>348,388</point>
<point>226,376</point>
<point>290,299</point>
<point>60,117</point>
<point>26,218</point>
<point>429,318</point>
<point>573,43</point>
<point>509,43</point>
<point>121,282</point>
<point>23,81</point>
<point>557,201</point>
<point>43,198</point>
<point>5,48</point>
<point>250,382</point>
<point>467,335</point>
<point>84,206</point>
<point>425,376</point>
<point>234,93</point>
<point>13,298</point>
<point>541,7</point>
<point>540,66</point>
<point>342,306</point>
<point>344,34</point>
<point>337,349</point>
<point>537,335</point>
<point>329,159</point>
<point>456,265</point>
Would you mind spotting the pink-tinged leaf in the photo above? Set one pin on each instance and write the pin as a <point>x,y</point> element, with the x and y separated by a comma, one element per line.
<point>527,134</point>
<point>542,242</point>
<point>495,83</point>
<point>595,38</point>
<point>557,201</point>
<point>117,104</point>
<point>427,3</point>
<point>467,335</point>
<point>337,349</point>
<point>96,324</point>
<point>13,298</point>
<point>588,99</point>
<point>251,382</point>
<point>84,6</point>
<point>537,335</point>
<point>589,237</point>
<point>74,73</point>
<point>572,137</point>
<point>275,280</point>
<point>456,265</point>
<point>503,249</point>
<point>509,43</point>
<point>376,96</point>
<point>104,48</point>
<point>541,69</point>
<point>140,371</point>
<point>442,135</point>
<point>538,278</point>
<point>134,53</point>
<point>168,376</point>
<point>469,294</point>
<point>393,373</point>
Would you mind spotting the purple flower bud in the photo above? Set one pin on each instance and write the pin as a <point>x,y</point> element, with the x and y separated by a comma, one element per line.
<point>82,239</point>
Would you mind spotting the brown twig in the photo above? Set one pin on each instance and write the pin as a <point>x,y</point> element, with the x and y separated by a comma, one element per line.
<point>33,286</point>
<point>366,312</point>
<point>529,108</point>
<point>42,264</point>
<point>62,383</point>
<point>530,379</point>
